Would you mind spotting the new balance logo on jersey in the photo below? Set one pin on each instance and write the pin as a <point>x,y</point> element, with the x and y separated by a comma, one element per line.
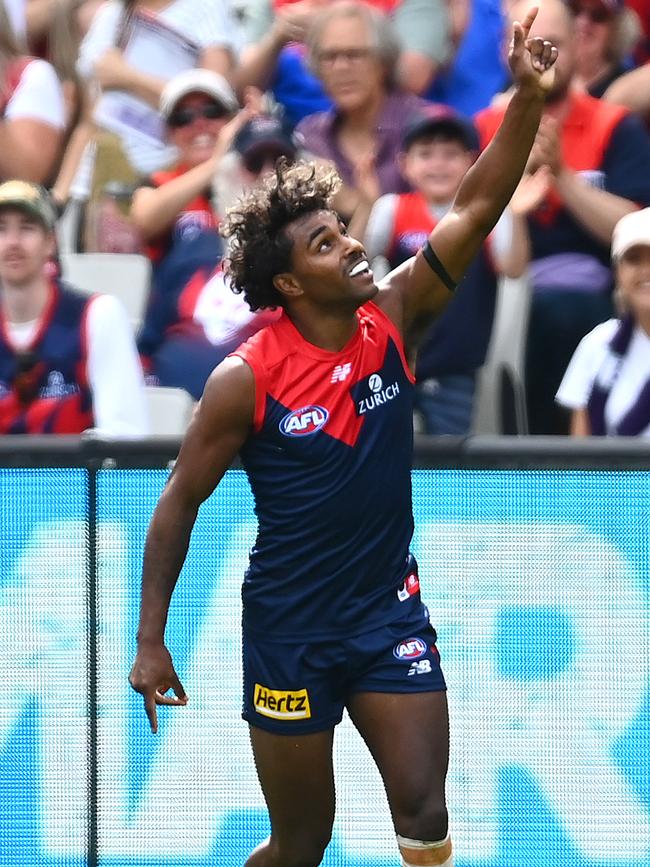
<point>281,704</point>
<point>341,372</point>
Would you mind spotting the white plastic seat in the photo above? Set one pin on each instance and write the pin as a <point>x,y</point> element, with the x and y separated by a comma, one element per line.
<point>169,410</point>
<point>127,276</point>
<point>500,402</point>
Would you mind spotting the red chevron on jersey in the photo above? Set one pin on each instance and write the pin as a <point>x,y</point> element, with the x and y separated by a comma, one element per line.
<point>320,389</point>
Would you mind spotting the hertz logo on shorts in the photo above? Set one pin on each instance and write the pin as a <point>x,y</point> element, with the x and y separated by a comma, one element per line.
<point>281,704</point>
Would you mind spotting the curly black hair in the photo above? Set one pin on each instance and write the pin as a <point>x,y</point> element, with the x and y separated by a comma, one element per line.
<point>259,245</point>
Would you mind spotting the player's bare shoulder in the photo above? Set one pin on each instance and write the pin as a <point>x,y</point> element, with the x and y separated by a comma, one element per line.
<point>229,392</point>
<point>220,425</point>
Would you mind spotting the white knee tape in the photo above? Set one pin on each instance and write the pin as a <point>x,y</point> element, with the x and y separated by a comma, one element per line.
<point>422,853</point>
<point>261,846</point>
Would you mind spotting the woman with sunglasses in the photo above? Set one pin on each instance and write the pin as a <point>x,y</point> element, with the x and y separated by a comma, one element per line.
<point>201,116</point>
<point>194,319</point>
<point>132,48</point>
<point>606,32</point>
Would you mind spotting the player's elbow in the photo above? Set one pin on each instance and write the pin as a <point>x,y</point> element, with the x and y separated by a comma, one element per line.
<point>178,503</point>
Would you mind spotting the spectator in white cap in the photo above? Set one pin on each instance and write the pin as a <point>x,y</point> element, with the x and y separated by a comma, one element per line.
<point>607,383</point>
<point>190,327</point>
<point>131,50</point>
<point>202,116</point>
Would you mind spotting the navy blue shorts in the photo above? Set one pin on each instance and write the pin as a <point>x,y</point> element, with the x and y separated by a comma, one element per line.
<point>300,688</point>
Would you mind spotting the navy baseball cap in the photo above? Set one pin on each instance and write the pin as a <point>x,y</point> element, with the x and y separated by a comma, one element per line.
<point>264,133</point>
<point>441,119</point>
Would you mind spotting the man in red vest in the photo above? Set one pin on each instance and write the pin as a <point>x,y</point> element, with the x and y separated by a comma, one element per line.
<point>599,160</point>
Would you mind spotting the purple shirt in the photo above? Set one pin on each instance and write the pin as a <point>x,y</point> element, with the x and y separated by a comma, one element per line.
<point>320,138</point>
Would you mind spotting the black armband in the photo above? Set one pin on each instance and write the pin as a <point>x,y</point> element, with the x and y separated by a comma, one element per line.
<point>437,267</point>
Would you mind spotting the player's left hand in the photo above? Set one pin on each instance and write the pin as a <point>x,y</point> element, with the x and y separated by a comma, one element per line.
<point>153,676</point>
<point>531,60</point>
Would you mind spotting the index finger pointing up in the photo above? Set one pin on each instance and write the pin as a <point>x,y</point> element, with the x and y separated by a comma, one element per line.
<point>527,23</point>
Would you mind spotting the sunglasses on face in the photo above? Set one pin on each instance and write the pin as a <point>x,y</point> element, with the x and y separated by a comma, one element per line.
<point>596,14</point>
<point>185,116</point>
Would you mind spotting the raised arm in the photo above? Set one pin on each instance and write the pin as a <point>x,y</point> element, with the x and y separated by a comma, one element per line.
<point>219,427</point>
<point>259,58</point>
<point>414,287</point>
<point>632,90</point>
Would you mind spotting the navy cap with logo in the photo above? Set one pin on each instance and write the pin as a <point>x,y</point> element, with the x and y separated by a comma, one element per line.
<point>265,135</point>
<point>30,198</point>
<point>441,119</point>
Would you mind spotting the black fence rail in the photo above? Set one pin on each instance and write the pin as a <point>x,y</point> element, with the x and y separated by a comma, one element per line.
<point>485,452</point>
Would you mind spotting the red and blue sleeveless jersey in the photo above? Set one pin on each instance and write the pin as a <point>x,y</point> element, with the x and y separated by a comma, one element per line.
<point>44,387</point>
<point>329,463</point>
<point>412,225</point>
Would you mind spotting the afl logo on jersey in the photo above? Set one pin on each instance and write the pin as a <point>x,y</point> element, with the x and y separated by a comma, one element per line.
<point>411,648</point>
<point>305,421</point>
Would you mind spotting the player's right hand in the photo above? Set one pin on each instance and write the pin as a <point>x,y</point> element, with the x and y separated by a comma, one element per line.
<point>531,59</point>
<point>153,675</point>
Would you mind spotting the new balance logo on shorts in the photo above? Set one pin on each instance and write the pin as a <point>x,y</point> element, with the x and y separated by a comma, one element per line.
<point>281,704</point>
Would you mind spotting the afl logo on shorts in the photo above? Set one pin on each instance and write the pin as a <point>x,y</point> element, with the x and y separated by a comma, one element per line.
<point>410,648</point>
<point>305,421</point>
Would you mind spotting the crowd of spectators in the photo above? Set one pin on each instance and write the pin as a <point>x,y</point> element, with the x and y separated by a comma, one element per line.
<point>145,119</point>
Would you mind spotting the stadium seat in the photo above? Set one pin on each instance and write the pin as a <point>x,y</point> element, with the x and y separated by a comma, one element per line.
<point>500,403</point>
<point>169,409</point>
<point>125,275</point>
<point>68,226</point>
